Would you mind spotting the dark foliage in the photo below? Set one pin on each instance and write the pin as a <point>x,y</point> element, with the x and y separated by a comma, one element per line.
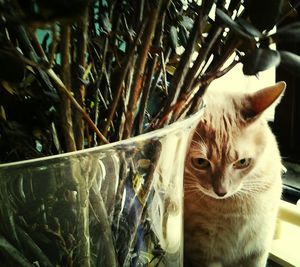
<point>76,74</point>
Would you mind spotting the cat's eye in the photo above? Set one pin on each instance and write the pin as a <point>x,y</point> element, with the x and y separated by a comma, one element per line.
<point>201,163</point>
<point>242,163</point>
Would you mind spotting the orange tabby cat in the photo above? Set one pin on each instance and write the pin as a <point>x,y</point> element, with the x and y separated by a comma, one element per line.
<point>232,182</point>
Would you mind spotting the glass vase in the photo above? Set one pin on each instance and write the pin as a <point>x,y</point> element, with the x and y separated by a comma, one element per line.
<point>119,204</point>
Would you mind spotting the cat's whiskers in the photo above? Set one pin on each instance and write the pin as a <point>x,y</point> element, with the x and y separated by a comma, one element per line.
<point>257,186</point>
<point>241,194</point>
<point>250,191</point>
<point>190,183</point>
<point>193,190</point>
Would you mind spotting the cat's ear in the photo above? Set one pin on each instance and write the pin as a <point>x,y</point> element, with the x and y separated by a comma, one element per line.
<point>259,101</point>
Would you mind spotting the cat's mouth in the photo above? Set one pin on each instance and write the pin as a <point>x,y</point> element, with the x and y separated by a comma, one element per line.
<point>216,195</point>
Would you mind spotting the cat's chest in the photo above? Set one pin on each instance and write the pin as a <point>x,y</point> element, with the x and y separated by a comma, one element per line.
<point>221,230</point>
<point>218,222</point>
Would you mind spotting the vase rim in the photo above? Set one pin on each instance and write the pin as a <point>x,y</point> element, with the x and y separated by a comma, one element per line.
<point>157,133</point>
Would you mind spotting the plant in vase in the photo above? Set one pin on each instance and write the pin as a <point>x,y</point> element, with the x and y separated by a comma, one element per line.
<point>84,74</point>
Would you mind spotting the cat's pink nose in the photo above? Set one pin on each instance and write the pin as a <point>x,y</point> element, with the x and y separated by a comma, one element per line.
<point>220,191</point>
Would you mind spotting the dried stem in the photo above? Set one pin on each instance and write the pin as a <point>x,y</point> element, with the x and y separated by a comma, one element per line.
<point>31,58</point>
<point>49,61</point>
<point>140,67</point>
<point>17,257</point>
<point>149,77</point>
<point>64,90</point>
<point>119,86</point>
<point>79,91</point>
<point>184,102</point>
<point>184,63</point>
<point>66,115</point>
<point>108,255</point>
<point>186,90</point>
<point>144,195</point>
<point>201,58</point>
<point>80,179</point>
<point>35,249</point>
<point>145,94</point>
<point>98,93</point>
<point>84,253</point>
<point>214,72</point>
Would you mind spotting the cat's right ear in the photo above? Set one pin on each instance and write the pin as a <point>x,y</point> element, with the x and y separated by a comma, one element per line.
<point>260,100</point>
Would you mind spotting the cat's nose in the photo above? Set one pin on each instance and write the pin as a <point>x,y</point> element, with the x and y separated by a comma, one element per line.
<point>220,191</point>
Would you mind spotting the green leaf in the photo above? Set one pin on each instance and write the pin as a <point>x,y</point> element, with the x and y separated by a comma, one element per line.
<point>263,13</point>
<point>183,36</point>
<point>105,23</point>
<point>187,22</point>
<point>289,33</point>
<point>291,61</point>
<point>260,60</point>
<point>174,37</point>
<point>249,28</point>
<point>229,22</point>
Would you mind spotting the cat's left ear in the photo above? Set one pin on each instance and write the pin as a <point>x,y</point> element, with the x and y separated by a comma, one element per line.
<point>259,101</point>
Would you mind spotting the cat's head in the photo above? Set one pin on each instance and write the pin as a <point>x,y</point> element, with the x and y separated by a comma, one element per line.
<point>228,141</point>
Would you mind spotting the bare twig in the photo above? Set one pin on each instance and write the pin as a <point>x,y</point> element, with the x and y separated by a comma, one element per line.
<point>83,233</point>
<point>66,115</point>
<point>79,91</point>
<point>63,89</point>
<point>99,209</point>
<point>119,86</point>
<point>49,61</point>
<point>184,63</point>
<point>201,58</point>
<point>17,257</point>
<point>196,92</point>
<point>184,102</point>
<point>213,72</point>
<point>144,195</point>
<point>140,67</point>
<point>145,94</point>
<point>153,65</point>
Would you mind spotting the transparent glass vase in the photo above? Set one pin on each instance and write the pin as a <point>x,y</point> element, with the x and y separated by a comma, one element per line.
<point>119,204</point>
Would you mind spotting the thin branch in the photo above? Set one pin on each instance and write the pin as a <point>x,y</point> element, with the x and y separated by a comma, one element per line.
<point>153,65</point>
<point>49,61</point>
<point>64,90</point>
<point>66,115</point>
<point>181,70</point>
<point>145,95</point>
<point>197,99</point>
<point>186,99</point>
<point>31,58</point>
<point>143,196</point>
<point>119,87</point>
<point>79,91</point>
<point>201,58</point>
<point>98,207</point>
<point>140,68</point>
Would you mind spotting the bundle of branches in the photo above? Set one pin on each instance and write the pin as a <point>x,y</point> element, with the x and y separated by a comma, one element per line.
<point>77,74</point>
